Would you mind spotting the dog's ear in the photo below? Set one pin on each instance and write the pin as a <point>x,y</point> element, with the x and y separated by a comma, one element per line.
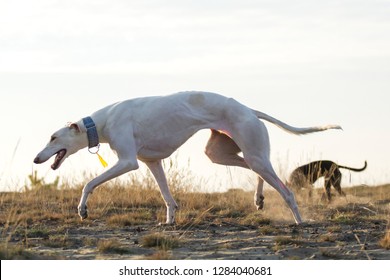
<point>75,127</point>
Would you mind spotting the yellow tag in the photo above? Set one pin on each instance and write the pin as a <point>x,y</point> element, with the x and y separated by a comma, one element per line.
<point>102,161</point>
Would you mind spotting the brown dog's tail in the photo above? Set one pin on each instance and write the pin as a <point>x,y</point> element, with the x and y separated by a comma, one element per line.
<point>354,169</point>
<point>291,129</point>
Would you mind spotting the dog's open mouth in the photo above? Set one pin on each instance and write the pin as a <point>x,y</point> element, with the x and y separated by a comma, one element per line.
<point>59,157</point>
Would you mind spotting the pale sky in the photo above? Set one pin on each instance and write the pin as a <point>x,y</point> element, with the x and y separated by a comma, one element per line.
<point>304,62</point>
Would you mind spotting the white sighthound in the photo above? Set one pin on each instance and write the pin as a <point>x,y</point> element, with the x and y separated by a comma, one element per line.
<point>152,128</point>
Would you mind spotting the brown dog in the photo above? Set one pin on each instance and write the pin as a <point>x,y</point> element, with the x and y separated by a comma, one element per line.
<point>308,174</point>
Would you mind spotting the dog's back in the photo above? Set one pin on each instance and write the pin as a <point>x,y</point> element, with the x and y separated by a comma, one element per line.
<point>309,173</point>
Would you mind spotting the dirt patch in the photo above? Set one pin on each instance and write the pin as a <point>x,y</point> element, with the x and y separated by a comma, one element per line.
<point>338,238</point>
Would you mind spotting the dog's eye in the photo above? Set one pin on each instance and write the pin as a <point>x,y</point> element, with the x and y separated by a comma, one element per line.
<point>53,138</point>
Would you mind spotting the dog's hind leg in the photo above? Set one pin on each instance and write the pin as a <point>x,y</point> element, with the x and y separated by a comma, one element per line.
<point>252,137</point>
<point>158,173</point>
<point>262,166</point>
<point>221,149</point>
<point>259,197</point>
<point>336,182</point>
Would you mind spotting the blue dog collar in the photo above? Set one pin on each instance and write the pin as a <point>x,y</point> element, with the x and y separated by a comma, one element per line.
<point>93,138</point>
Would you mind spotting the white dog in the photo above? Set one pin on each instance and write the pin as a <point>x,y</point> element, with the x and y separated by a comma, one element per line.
<point>152,128</point>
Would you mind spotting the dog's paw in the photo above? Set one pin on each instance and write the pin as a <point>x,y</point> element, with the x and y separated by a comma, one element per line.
<point>260,203</point>
<point>83,212</point>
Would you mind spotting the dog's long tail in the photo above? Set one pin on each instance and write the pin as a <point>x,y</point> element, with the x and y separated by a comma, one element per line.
<point>291,129</point>
<point>354,169</point>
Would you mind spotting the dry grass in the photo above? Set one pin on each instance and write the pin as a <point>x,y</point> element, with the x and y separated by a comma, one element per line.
<point>130,218</point>
<point>385,241</point>
<point>111,247</point>
<point>160,241</point>
<point>11,252</point>
<point>160,255</point>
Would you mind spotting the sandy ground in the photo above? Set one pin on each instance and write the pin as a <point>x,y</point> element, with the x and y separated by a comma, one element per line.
<point>349,228</point>
<point>356,238</point>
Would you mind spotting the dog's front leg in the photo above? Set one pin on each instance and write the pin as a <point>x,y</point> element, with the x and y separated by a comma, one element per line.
<point>121,167</point>
<point>158,173</point>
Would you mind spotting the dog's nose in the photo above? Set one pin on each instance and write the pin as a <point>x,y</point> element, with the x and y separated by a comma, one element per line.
<point>36,160</point>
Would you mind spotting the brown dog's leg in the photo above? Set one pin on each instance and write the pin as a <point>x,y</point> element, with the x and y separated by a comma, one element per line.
<point>327,186</point>
<point>336,180</point>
